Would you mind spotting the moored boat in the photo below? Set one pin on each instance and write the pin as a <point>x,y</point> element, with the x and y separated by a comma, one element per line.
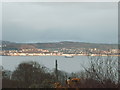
<point>69,56</point>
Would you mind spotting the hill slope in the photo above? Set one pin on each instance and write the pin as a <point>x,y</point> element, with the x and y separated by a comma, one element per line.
<point>65,44</point>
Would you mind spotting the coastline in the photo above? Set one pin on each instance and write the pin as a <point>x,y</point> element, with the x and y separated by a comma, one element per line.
<point>62,55</point>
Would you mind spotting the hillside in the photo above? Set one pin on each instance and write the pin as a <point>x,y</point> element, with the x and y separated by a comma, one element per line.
<point>66,44</point>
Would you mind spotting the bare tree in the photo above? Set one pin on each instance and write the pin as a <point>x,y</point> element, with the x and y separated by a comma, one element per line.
<point>103,69</point>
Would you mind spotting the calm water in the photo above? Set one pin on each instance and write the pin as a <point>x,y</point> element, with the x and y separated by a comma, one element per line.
<point>65,64</point>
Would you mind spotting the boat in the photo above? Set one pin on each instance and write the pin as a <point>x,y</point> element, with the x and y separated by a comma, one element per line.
<point>69,56</point>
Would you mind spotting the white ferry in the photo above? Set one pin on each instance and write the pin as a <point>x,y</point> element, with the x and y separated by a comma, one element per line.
<point>69,56</point>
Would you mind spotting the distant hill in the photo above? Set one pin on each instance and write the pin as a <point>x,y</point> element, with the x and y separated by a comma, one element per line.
<point>75,45</point>
<point>65,44</point>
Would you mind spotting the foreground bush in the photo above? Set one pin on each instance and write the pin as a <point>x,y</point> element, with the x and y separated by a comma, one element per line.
<point>28,75</point>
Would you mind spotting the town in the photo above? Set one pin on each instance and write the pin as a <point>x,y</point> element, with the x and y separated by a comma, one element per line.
<point>59,52</point>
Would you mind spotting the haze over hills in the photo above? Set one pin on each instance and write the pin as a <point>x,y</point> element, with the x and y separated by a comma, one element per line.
<point>6,45</point>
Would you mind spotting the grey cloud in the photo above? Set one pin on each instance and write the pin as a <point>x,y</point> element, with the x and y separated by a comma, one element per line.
<point>90,22</point>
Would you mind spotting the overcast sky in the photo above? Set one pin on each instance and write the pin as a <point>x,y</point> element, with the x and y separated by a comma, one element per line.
<point>49,22</point>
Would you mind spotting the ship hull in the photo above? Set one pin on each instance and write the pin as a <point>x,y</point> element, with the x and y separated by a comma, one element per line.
<point>68,56</point>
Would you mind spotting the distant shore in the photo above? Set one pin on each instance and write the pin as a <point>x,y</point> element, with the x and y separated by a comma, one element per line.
<point>62,55</point>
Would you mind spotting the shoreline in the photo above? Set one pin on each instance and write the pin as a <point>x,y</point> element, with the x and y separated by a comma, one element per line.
<point>63,55</point>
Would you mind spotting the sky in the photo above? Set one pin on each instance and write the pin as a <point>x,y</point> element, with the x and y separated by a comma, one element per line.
<point>0,21</point>
<point>93,22</point>
<point>60,0</point>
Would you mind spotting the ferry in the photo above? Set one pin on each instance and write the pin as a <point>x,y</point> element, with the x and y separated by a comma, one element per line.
<point>69,56</point>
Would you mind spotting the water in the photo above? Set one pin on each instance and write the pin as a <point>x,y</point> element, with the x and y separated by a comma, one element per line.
<point>65,64</point>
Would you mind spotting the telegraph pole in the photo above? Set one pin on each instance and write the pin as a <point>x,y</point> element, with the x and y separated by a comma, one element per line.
<point>56,70</point>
